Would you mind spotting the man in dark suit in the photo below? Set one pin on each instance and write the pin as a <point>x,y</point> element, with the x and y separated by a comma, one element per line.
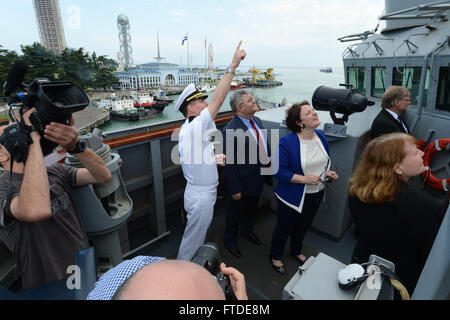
<point>247,152</point>
<point>394,102</point>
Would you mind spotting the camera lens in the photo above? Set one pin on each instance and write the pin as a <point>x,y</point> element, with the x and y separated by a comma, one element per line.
<point>208,256</point>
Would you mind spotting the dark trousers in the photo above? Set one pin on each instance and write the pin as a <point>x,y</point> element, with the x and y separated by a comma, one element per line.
<point>239,212</point>
<point>294,224</point>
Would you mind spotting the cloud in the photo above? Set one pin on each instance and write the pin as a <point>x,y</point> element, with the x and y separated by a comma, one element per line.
<point>179,13</point>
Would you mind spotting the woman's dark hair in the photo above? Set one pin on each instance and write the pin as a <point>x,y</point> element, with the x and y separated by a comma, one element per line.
<point>293,115</point>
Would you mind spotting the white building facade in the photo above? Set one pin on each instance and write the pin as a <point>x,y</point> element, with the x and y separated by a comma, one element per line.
<point>153,75</point>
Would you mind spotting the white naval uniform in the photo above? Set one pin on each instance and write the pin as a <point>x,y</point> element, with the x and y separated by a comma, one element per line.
<point>200,171</point>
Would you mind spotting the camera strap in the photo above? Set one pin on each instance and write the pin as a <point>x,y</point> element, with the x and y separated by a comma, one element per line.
<point>9,194</point>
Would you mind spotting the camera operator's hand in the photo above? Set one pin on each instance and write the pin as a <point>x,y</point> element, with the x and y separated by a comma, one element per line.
<point>237,280</point>
<point>61,134</point>
<point>35,136</point>
<point>26,116</point>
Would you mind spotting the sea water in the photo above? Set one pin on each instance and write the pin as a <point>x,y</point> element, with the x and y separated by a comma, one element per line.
<point>299,84</point>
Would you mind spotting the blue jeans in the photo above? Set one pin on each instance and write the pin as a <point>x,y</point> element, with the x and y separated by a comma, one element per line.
<point>294,224</point>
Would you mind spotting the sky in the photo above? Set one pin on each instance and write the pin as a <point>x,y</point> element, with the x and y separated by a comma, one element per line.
<point>282,33</point>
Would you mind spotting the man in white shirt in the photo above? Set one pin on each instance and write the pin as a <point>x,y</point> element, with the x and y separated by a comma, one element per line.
<point>197,157</point>
<point>394,102</point>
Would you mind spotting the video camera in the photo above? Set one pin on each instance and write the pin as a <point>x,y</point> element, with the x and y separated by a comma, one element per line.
<point>55,101</point>
<point>208,256</point>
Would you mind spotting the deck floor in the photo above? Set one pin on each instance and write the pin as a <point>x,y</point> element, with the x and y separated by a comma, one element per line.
<point>263,282</point>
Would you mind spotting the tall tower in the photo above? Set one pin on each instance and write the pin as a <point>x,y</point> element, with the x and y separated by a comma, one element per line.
<point>119,62</point>
<point>210,57</point>
<point>123,24</point>
<point>50,26</point>
<point>158,58</point>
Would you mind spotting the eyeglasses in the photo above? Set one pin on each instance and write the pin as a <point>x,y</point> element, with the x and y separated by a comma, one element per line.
<point>250,100</point>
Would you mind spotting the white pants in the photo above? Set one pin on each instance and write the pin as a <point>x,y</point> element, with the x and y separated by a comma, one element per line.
<point>199,204</point>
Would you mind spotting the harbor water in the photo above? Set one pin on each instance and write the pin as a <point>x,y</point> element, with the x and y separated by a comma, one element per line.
<point>299,84</point>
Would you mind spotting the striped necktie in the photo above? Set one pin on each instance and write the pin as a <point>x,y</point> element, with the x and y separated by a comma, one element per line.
<point>262,148</point>
<point>256,130</point>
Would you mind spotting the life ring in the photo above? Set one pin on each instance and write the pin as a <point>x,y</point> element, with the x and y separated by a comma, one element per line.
<point>428,176</point>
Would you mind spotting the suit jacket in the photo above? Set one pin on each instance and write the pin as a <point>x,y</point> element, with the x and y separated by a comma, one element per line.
<point>242,176</point>
<point>385,123</point>
<point>290,163</point>
<point>401,231</point>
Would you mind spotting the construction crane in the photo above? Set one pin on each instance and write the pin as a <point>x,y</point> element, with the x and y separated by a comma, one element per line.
<point>263,77</point>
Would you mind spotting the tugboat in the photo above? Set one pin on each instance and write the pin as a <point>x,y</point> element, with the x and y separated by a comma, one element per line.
<point>143,99</point>
<point>236,85</point>
<point>206,87</point>
<point>124,115</point>
<point>160,96</point>
<point>133,115</point>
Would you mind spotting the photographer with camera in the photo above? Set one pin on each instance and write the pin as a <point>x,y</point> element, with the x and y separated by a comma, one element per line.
<point>155,278</point>
<point>205,277</point>
<point>39,219</point>
<point>178,280</point>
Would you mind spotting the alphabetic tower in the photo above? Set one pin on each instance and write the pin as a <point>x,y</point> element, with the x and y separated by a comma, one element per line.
<point>123,24</point>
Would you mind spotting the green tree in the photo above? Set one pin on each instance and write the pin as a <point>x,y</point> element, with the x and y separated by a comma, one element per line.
<point>104,71</point>
<point>72,65</point>
<point>42,63</point>
<point>77,67</point>
<point>7,59</point>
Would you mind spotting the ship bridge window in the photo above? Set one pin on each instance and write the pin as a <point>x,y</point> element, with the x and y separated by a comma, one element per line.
<point>409,77</point>
<point>443,95</point>
<point>357,77</point>
<point>378,83</point>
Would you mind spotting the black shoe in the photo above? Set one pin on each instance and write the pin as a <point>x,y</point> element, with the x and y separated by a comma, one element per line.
<point>234,250</point>
<point>253,238</point>
<point>280,270</point>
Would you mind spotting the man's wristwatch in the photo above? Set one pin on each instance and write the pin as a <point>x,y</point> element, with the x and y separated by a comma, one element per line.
<point>79,147</point>
<point>228,70</point>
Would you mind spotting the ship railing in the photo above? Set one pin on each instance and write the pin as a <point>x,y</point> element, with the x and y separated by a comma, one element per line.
<point>434,10</point>
<point>377,47</point>
<point>409,44</point>
<point>350,50</point>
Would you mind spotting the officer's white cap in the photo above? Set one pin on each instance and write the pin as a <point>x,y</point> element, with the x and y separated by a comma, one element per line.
<point>189,93</point>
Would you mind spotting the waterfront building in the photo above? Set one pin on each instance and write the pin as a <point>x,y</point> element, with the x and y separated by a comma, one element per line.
<point>50,26</point>
<point>156,74</point>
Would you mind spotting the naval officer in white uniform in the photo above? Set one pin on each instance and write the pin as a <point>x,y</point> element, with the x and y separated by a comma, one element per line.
<point>197,158</point>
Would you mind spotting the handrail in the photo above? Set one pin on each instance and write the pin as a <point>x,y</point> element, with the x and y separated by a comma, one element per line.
<point>138,137</point>
<point>433,7</point>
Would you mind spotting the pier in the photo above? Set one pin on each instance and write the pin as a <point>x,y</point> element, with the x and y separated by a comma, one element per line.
<point>85,120</point>
<point>90,118</point>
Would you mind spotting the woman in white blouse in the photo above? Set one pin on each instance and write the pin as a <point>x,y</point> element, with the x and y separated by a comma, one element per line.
<point>304,167</point>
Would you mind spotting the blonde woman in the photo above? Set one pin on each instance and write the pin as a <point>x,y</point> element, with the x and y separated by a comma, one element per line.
<point>393,220</point>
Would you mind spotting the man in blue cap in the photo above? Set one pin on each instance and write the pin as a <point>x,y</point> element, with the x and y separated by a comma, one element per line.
<point>198,161</point>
